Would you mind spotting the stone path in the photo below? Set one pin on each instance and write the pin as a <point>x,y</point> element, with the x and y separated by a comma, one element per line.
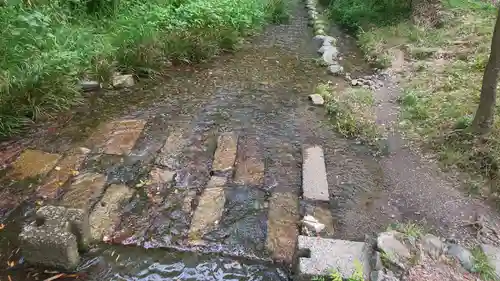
<point>155,202</point>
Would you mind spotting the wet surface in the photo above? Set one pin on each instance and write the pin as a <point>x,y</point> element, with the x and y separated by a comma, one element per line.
<point>259,93</point>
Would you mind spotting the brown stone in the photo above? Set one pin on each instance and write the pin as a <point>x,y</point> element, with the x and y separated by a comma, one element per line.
<point>249,164</point>
<point>67,167</point>
<point>225,154</point>
<point>282,231</point>
<point>32,163</point>
<point>84,191</point>
<point>170,149</point>
<point>124,136</point>
<point>210,208</point>
<point>100,135</point>
<point>106,214</point>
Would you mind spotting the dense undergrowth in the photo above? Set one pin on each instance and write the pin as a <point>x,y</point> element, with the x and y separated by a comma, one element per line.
<point>46,47</point>
<point>441,82</point>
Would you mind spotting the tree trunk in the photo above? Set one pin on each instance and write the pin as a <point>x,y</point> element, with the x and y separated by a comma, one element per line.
<point>485,114</point>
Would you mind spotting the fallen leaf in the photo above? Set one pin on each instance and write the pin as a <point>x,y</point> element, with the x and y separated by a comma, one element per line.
<point>75,173</point>
<point>57,168</point>
<point>11,263</point>
<point>2,226</point>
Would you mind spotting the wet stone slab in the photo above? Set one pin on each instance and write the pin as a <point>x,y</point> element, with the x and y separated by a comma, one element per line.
<point>314,181</point>
<point>249,162</point>
<point>119,169</point>
<point>225,153</point>
<point>171,221</point>
<point>32,163</point>
<point>282,226</point>
<point>66,168</point>
<point>123,137</point>
<point>84,191</point>
<point>169,153</point>
<point>106,214</point>
<point>210,208</point>
<point>242,228</point>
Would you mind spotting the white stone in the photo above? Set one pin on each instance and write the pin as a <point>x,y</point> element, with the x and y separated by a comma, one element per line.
<point>316,99</point>
<point>313,223</point>
<point>123,81</point>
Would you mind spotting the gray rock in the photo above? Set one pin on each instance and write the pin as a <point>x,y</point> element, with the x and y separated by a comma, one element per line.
<point>56,237</point>
<point>314,181</point>
<point>322,260</point>
<point>376,261</point>
<point>316,99</point>
<point>329,40</point>
<point>493,254</point>
<point>379,275</point>
<point>432,245</point>
<point>88,86</point>
<point>354,82</point>
<point>330,55</point>
<point>123,81</point>
<point>335,69</point>
<point>320,38</point>
<point>394,250</point>
<point>463,255</point>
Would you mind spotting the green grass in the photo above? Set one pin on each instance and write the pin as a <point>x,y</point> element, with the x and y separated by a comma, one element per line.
<point>357,14</point>
<point>351,112</point>
<point>48,46</point>
<point>441,82</point>
<point>336,276</point>
<point>482,266</point>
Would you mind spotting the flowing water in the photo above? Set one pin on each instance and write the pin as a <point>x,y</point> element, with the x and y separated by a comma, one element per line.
<point>260,92</point>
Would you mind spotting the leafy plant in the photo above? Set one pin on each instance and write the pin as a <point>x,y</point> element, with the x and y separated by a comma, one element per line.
<point>48,46</point>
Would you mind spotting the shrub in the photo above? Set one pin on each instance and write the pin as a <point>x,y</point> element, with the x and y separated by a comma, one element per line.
<point>356,14</point>
<point>46,47</point>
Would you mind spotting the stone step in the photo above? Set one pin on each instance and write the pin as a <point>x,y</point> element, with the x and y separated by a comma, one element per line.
<point>123,137</point>
<point>84,192</point>
<point>170,151</point>
<point>282,226</point>
<point>319,256</point>
<point>106,214</point>
<point>63,171</point>
<point>225,154</point>
<point>249,162</point>
<point>314,180</point>
<point>31,164</point>
<point>209,210</point>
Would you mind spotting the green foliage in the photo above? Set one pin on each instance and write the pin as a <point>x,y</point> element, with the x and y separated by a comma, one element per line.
<point>336,276</point>
<point>352,113</point>
<point>482,266</point>
<point>356,14</point>
<point>48,46</point>
<point>279,12</point>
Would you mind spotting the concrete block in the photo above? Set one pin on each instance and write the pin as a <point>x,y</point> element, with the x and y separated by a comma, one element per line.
<point>314,182</point>
<point>56,237</point>
<point>329,254</point>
